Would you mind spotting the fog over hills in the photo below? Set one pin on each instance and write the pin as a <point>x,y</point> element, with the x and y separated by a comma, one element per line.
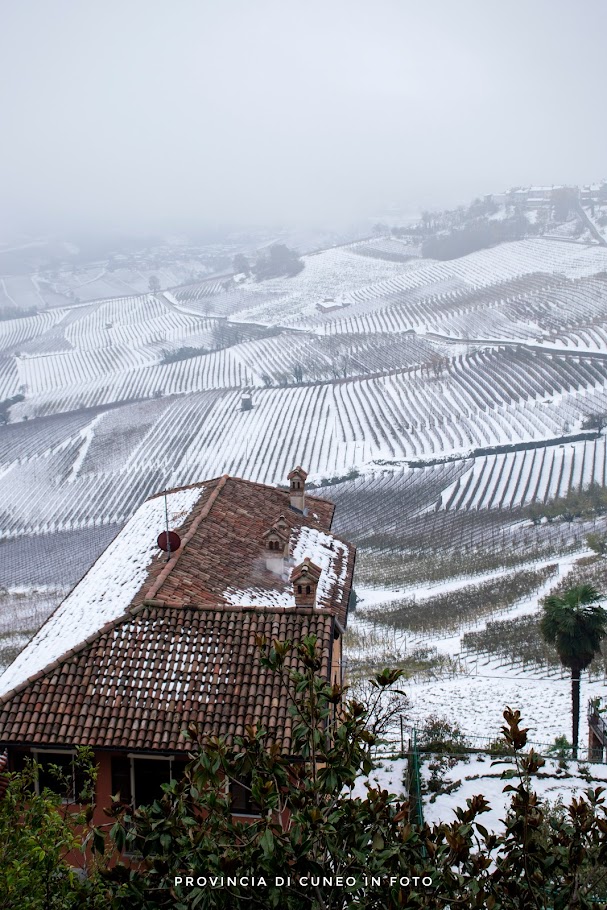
<point>140,117</point>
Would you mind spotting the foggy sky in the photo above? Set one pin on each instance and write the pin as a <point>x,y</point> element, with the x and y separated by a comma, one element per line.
<point>152,114</point>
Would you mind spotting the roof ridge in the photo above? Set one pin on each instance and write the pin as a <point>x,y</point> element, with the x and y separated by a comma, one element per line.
<point>234,608</point>
<point>151,592</point>
<point>252,483</point>
<point>186,486</point>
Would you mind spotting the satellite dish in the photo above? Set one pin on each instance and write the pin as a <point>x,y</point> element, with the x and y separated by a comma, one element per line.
<point>169,541</point>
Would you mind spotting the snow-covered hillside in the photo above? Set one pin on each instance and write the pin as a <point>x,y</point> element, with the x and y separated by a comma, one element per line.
<point>431,401</point>
<point>421,366</point>
<point>105,462</point>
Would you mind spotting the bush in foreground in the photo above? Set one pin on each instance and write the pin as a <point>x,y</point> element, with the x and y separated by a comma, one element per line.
<point>309,826</point>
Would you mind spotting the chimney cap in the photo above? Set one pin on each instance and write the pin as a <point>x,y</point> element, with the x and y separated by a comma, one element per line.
<point>274,530</point>
<point>308,570</point>
<point>280,525</point>
<point>297,472</point>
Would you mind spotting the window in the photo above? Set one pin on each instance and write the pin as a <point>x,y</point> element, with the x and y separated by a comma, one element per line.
<point>121,778</point>
<point>58,772</point>
<point>242,801</point>
<point>18,759</point>
<point>138,779</point>
<point>299,589</point>
<point>308,589</point>
<point>150,774</point>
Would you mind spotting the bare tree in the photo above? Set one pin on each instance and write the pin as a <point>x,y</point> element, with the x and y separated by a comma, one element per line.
<point>385,707</point>
<point>224,334</point>
<point>597,421</point>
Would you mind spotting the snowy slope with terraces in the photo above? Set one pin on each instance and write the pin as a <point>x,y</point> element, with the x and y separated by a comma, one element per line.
<point>345,278</point>
<point>421,361</point>
<point>536,292</point>
<point>103,463</point>
<point>326,277</point>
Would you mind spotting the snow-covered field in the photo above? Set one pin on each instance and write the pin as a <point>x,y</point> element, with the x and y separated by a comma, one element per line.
<point>479,775</point>
<point>91,354</point>
<point>98,466</point>
<point>553,785</point>
<point>473,694</point>
<point>532,475</point>
<point>473,690</point>
<point>327,277</point>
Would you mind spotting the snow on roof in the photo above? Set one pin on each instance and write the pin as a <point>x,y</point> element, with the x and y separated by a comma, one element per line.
<point>106,591</point>
<point>203,677</point>
<point>324,550</point>
<point>259,597</point>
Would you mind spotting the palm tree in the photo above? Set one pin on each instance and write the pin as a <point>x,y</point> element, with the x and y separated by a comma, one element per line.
<point>575,626</point>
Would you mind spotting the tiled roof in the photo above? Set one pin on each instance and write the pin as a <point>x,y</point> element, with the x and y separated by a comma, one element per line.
<point>144,680</point>
<point>151,627</point>
<point>222,551</point>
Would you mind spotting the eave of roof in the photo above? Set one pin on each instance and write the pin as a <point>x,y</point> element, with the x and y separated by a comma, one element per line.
<point>143,681</point>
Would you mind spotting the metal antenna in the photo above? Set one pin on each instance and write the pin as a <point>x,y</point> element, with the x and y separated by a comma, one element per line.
<point>166,521</point>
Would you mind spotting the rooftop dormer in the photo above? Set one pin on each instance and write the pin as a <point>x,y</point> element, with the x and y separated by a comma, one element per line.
<point>297,488</point>
<point>305,578</point>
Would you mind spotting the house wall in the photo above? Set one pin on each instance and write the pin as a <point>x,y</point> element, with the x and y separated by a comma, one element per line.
<point>336,661</point>
<point>103,790</point>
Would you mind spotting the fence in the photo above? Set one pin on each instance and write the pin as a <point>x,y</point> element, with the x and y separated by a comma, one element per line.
<point>401,747</point>
<point>414,781</point>
<point>597,728</point>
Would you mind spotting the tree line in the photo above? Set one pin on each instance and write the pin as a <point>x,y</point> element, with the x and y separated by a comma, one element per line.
<point>477,235</point>
<point>275,262</point>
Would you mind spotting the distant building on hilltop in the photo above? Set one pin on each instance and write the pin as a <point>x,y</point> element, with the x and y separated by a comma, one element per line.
<point>149,642</point>
<point>540,195</point>
<point>532,197</point>
<point>594,193</point>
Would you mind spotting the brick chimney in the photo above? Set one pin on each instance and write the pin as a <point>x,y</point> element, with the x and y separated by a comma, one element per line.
<point>276,546</point>
<point>297,488</point>
<point>305,579</point>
